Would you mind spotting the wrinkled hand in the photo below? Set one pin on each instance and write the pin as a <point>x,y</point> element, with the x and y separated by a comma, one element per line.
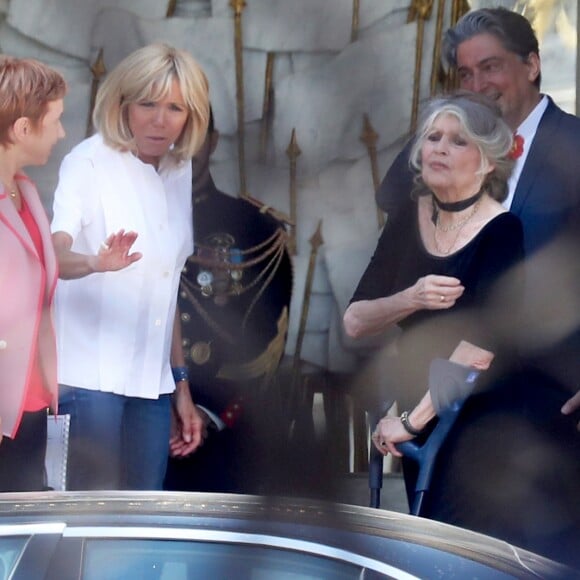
<point>572,405</point>
<point>188,428</point>
<point>388,433</point>
<point>114,253</point>
<point>433,292</point>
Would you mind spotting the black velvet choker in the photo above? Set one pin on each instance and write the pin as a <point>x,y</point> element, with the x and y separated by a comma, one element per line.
<point>453,206</point>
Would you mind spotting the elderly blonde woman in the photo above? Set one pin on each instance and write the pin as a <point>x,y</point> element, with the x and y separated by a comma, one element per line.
<point>31,105</point>
<point>122,231</point>
<point>435,267</point>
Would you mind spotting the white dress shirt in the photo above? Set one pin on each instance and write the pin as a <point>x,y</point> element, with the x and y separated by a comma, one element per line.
<point>528,131</point>
<point>114,329</point>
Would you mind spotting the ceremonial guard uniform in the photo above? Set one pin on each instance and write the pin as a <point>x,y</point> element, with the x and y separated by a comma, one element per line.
<point>234,300</point>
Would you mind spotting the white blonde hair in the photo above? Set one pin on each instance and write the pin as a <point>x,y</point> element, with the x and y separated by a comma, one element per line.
<point>481,122</point>
<point>148,74</point>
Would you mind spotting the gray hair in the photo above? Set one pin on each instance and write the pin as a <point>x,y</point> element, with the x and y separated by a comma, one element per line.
<point>481,121</point>
<point>514,32</point>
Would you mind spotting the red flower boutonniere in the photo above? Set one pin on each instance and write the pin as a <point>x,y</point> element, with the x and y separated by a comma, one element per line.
<point>517,147</point>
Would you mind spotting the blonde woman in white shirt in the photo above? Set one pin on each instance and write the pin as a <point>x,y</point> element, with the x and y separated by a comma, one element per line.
<point>122,232</point>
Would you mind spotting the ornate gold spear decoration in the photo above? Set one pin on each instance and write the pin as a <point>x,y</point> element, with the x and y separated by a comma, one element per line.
<point>315,242</point>
<point>266,107</point>
<point>98,70</point>
<point>458,9</point>
<point>293,152</point>
<point>355,20</point>
<point>369,137</point>
<point>238,6</point>
<point>171,8</point>
<point>419,10</point>
<point>436,66</point>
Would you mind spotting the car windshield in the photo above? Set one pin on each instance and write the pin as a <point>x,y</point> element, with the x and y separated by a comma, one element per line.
<point>172,560</point>
<point>10,550</point>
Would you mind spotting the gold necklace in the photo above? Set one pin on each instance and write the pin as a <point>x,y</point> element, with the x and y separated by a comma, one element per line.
<point>12,191</point>
<point>457,226</point>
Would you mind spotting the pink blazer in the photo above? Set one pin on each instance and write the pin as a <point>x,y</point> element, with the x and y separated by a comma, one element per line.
<point>26,315</point>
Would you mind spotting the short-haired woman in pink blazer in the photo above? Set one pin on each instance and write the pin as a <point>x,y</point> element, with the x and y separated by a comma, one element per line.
<point>31,104</point>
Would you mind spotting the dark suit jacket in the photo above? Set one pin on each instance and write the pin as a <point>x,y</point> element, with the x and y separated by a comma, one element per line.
<point>548,190</point>
<point>547,195</point>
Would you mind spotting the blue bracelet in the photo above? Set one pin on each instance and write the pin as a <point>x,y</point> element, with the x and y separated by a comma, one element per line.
<point>180,374</point>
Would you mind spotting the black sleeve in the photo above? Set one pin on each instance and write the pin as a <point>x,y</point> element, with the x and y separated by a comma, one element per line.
<point>499,284</point>
<point>379,278</point>
<point>501,252</point>
<point>394,191</point>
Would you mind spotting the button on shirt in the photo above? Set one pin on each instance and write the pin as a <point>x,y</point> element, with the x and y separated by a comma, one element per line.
<point>114,329</point>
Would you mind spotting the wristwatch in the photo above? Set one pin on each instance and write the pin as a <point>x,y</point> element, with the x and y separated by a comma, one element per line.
<point>407,424</point>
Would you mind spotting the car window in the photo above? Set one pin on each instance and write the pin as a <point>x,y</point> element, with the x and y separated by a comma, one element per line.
<point>10,550</point>
<point>182,560</point>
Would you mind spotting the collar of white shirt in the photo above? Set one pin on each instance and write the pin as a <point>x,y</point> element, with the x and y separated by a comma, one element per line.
<point>527,130</point>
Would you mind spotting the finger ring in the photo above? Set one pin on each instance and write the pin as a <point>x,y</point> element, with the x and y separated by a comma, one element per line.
<point>442,299</point>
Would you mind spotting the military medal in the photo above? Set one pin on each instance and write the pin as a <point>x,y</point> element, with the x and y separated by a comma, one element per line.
<point>200,352</point>
<point>236,256</point>
<point>204,279</point>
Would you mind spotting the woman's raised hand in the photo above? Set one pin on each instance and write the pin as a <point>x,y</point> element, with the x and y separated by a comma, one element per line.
<point>433,292</point>
<point>114,253</point>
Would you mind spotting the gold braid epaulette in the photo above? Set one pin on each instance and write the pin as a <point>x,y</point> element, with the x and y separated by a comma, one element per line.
<point>276,241</point>
<point>267,209</point>
<point>276,249</point>
<point>266,363</point>
<point>186,287</point>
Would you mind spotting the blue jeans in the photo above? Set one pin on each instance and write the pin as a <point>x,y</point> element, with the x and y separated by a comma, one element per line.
<point>116,442</point>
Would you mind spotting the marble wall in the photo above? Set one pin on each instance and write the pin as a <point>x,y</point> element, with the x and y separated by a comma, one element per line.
<point>323,83</point>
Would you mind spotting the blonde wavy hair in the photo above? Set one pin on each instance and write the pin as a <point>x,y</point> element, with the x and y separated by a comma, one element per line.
<point>147,75</point>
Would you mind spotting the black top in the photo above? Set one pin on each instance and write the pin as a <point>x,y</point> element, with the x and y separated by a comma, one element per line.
<point>400,259</point>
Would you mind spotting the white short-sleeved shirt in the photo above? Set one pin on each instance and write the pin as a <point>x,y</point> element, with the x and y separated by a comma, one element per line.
<point>114,329</point>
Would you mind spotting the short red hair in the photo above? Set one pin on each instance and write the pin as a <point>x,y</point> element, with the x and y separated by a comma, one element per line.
<point>26,88</point>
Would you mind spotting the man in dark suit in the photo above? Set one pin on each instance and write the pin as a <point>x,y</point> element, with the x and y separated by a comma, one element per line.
<point>510,465</point>
<point>234,299</point>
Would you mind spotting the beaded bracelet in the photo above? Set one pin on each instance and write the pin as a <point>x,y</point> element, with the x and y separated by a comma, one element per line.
<point>180,374</point>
